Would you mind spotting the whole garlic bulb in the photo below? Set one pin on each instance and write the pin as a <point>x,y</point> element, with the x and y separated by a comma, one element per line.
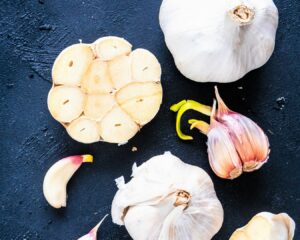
<point>267,226</point>
<point>168,199</point>
<point>219,41</point>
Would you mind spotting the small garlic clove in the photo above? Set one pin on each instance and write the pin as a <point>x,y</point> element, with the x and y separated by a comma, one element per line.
<point>92,235</point>
<point>223,158</point>
<point>250,141</point>
<point>58,176</point>
<point>266,226</point>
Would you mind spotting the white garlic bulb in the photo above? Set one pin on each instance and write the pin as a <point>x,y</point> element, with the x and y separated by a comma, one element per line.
<point>219,41</point>
<point>267,226</point>
<point>168,199</point>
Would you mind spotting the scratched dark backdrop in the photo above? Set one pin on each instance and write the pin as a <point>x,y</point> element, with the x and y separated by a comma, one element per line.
<point>33,32</point>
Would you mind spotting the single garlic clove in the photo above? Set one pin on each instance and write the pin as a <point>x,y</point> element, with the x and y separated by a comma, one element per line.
<point>267,226</point>
<point>58,176</point>
<point>92,235</point>
<point>223,158</point>
<point>250,141</point>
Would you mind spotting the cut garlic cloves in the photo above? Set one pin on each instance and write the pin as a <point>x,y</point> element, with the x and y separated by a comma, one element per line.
<point>93,83</point>
<point>92,235</point>
<point>267,226</point>
<point>58,176</point>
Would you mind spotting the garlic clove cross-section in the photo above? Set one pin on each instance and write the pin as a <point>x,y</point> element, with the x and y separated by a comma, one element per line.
<point>104,91</point>
<point>58,176</point>
<point>167,199</point>
<point>266,226</point>
<point>92,235</point>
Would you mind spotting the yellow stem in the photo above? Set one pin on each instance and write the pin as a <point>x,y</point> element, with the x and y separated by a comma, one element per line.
<point>87,158</point>
<point>184,106</point>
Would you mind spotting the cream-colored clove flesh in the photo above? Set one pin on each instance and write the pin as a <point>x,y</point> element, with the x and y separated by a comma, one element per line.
<point>104,91</point>
<point>58,176</point>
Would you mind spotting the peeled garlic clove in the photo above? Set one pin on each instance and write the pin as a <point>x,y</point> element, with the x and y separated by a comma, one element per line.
<point>65,103</point>
<point>71,64</point>
<point>267,226</point>
<point>58,176</point>
<point>250,141</point>
<point>168,199</point>
<point>223,157</point>
<point>92,235</point>
<point>108,48</point>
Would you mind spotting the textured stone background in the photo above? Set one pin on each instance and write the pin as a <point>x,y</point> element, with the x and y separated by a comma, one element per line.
<point>33,32</point>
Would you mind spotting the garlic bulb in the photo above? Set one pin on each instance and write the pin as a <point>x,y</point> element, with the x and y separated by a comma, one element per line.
<point>167,199</point>
<point>267,226</point>
<point>219,41</point>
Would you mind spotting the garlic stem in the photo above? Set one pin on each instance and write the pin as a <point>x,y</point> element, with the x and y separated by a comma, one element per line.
<point>182,198</point>
<point>184,106</point>
<point>200,125</point>
<point>242,14</point>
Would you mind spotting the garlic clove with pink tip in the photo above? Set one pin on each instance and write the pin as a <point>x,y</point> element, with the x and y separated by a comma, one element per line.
<point>92,235</point>
<point>235,143</point>
<point>58,176</point>
<point>249,139</point>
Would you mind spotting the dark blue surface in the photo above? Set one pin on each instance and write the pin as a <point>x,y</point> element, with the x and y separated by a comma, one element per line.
<point>33,32</point>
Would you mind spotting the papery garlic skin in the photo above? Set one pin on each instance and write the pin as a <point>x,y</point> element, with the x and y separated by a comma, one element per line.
<point>250,141</point>
<point>167,199</point>
<point>267,226</point>
<point>210,43</point>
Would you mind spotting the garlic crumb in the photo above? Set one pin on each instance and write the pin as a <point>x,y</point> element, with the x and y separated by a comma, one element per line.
<point>134,149</point>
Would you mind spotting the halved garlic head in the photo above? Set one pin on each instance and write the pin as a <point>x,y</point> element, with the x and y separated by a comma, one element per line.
<point>58,176</point>
<point>267,226</point>
<point>104,91</point>
<point>167,199</point>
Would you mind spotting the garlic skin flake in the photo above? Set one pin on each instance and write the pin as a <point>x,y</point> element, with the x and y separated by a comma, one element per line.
<point>219,41</point>
<point>167,199</point>
<point>267,226</point>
